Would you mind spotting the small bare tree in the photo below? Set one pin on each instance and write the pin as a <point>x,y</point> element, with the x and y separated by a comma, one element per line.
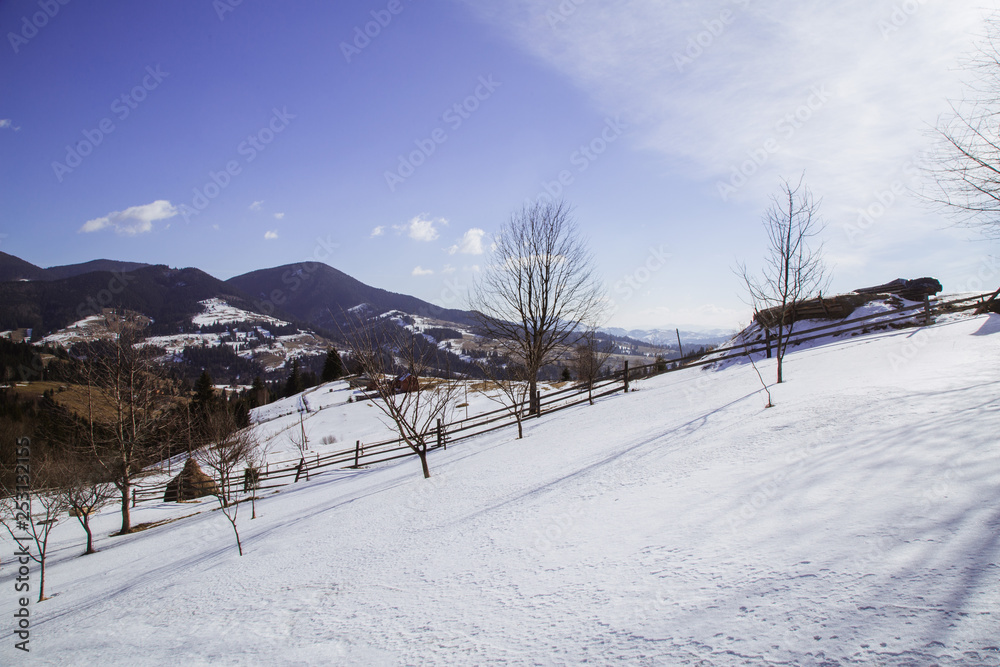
<point>86,491</point>
<point>507,384</point>
<point>793,271</point>
<point>591,356</point>
<point>539,287</point>
<point>32,508</point>
<point>301,442</point>
<point>396,363</point>
<point>229,451</point>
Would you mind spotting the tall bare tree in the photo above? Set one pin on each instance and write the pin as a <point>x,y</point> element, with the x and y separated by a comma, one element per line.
<point>385,351</point>
<point>967,167</point>
<point>539,289</point>
<point>793,270</point>
<point>128,423</point>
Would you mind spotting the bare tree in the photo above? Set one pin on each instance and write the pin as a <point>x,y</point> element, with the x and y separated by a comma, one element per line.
<point>967,169</point>
<point>396,363</point>
<point>128,426</point>
<point>792,271</point>
<point>32,508</point>
<point>301,442</point>
<point>591,357</point>
<point>229,451</point>
<point>86,491</point>
<point>539,288</point>
<point>507,384</point>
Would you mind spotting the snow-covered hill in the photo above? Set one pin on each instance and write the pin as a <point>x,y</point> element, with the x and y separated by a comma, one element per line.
<point>855,523</point>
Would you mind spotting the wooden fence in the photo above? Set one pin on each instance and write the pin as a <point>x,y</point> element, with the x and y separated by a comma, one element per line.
<point>364,454</point>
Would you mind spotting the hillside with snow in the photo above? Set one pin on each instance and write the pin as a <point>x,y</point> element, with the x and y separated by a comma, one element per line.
<point>855,523</point>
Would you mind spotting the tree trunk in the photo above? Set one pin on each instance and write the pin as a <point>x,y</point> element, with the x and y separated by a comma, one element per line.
<point>41,576</point>
<point>532,393</point>
<point>520,430</point>
<point>422,453</point>
<point>90,535</point>
<point>239,545</point>
<point>126,488</point>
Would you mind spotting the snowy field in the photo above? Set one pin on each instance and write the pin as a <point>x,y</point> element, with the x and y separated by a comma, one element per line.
<point>855,523</point>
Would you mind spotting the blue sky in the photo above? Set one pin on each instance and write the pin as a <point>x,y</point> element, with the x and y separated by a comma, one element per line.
<point>233,137</point>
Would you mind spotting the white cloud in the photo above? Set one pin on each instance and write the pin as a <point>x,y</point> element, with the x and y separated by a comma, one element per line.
<point>271,235</point>
<point>133,220</point>
<point>279,216</point>
<point>448,269</point>
<point>419,271</point>
<point>471,243</point>
<point>7,124</point>
<point>256,205</point>
<point>843,91</point>
<point>422,228</point>
<point>378,231</point>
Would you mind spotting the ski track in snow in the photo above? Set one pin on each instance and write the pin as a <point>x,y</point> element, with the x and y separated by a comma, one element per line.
<point>856,523</point>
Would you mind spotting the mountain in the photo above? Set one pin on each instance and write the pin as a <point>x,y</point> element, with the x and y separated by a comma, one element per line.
<point>71,270</point>
<point>316,293</point>
<point>169,296</point>
<point>668,337</point>
<point>15,268</point>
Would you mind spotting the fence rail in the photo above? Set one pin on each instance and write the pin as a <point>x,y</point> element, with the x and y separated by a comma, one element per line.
<point>618,381</point>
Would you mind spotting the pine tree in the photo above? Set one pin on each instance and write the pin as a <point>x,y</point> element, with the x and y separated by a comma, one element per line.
<point>333,368</point>
<point>294,384</point>
<point>204,395</point>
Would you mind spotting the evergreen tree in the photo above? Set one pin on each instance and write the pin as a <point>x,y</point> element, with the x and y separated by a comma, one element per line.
<point>204,395</point>
<point>295,384</point>
<point>333,368</point>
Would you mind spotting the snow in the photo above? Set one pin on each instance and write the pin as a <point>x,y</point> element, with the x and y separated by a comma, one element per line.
<point>856,522</point>
<point>217,311</point>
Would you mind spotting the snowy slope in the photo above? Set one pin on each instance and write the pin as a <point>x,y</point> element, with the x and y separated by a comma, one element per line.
<point>856,523</point>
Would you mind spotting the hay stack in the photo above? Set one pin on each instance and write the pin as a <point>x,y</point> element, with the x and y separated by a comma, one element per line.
<point>191,483</point>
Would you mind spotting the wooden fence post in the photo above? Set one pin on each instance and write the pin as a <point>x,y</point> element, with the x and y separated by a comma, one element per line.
<point>927,310</point>
<point>298,471</point>
<point>767,339</point>
<point>357,451</point>
<point>626,376</point>
<point>538,403</point>
<point>133,497</point>
<point>440,435</point>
